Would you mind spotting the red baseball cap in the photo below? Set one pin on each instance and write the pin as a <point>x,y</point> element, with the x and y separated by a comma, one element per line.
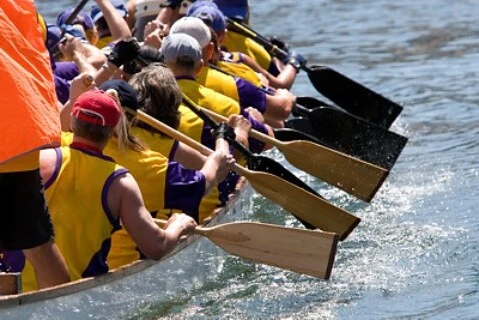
<point>98,108</point>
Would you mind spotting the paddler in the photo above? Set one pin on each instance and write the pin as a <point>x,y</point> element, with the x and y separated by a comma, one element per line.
<point>275,108</point>
<point>110,18</point>
<point>89,193</point>
<point>165,185</point>
<point>29,122</point>
<point>182,55</point>
<point>239,63</point>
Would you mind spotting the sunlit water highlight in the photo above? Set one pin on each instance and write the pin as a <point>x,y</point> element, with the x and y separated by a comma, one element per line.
<point>415,254</point>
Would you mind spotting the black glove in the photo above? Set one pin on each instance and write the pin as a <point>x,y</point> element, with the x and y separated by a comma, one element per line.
<point>224,131</point>
<point>295,59</point>
<point>280,44</point>
<point>124,51</point>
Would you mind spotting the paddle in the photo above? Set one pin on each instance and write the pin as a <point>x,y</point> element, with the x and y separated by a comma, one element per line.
<point>343,91</point>
<point>354,176</point>
<point>350,134</point>
<point>305,205</point>
<point>363,131</point>
<point>255,162</point>
<point>303,251</point>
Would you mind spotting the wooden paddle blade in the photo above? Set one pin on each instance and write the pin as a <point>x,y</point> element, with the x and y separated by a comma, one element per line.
<point>354,176</point>
<point>354,97</point>
<point>303,251</point>
<point>268,165</point>
<point>304,205</point>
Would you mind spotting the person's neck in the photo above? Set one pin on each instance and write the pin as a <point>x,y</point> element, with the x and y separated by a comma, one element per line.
<point>88,144</point>
<point>181,72</point>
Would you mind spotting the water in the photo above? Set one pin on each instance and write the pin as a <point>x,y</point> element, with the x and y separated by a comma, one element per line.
<point>415,254</point>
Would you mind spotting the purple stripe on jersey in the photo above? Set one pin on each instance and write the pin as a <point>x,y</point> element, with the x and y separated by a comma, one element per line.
<point>98,264</point>
<point>62,89</point>
<point>250,95</point>
<point>58,165</point>
<point>104,197</point>
<point>184,189</point>
<point>12,261</point>
<point>173,150</point>
<point>255,145</point>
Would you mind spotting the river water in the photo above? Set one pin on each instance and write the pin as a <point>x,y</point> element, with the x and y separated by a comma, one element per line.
<point>416,253</point>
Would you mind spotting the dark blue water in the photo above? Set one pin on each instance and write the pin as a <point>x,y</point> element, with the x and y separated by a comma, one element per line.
<point>416,253</point>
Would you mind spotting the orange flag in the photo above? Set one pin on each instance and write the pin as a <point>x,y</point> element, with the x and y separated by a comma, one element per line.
<point>29,115</point>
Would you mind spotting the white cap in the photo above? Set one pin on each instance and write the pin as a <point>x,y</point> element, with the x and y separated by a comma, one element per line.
<point>194,27</point>
<point>180,45</point>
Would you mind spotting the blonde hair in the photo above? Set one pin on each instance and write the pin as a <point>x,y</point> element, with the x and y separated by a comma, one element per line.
<point>122,130</point>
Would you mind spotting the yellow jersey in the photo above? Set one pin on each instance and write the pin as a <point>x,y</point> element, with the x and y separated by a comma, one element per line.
<point>77,198</point>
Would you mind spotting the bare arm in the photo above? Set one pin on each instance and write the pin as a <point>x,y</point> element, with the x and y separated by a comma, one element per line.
<point>217,165</point>
<point>118,26</point>
<point>124,199</point>
<point>189,157</point>
<point>78,86</point>
<point>75,51</point>
<point>279,106</point>
<point>284,80</point>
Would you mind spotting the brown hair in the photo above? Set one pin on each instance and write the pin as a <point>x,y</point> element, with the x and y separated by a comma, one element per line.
<point>158,95</point>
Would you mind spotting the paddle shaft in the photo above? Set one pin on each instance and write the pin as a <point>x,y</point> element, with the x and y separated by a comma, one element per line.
<point>352,175</point>
<point>303,251</point>
<point>304,205</point>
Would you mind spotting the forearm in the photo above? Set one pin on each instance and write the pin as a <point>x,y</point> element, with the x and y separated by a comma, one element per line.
<point>118,26</point>
<point>210,171</point>
<point>65,116</point>
<point>104,73</point>
<point>285,79</point>
<point>83,64</point>
<point>189,157</point>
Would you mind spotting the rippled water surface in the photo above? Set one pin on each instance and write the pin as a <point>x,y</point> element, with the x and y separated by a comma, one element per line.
<point>416,253</point>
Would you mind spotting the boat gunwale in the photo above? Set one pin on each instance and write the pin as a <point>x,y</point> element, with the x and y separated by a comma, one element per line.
<point>9,301</point>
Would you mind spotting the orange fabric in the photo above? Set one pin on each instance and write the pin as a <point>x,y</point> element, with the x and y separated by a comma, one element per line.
<point>29,115</point>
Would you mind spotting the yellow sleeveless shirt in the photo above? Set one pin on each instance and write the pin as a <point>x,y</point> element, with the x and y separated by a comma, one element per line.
<point>237,42</point>
<point>77,199</point>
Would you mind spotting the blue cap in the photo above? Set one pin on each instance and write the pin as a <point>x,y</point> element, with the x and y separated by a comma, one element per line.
<point>54,34</point>
<point>233,8</point>
<point>119,5</point>
<point>211,16</point>
<point>195,5</point>
<point>82,18</point>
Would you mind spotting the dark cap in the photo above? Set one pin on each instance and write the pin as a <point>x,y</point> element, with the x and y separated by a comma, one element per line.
<point>128,96</point>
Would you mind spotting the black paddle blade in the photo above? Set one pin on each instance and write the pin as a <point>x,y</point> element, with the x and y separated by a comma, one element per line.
<point>288,134</point>
<point>354,97</point>
<point>353,136</point>
<point>311,102</point>
<point>268,165</point>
